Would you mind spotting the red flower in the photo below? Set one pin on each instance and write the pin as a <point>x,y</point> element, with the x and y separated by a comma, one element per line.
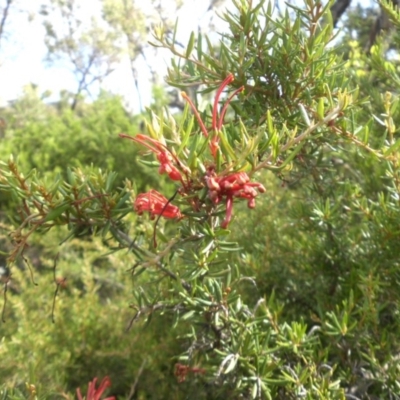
<point>234,185</point>
<point>182,370</point>
<point>216,122</point>
<point>156,204</point>
<point>93,393</point>
<point>163,155</point>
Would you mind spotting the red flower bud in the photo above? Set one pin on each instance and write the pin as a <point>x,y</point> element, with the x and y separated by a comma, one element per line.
<point>229,212</point>
<point>156,204</point>
<point>163,155</point>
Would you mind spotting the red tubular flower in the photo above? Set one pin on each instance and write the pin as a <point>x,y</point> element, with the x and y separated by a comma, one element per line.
<point>93,393</point>
<point>164,156</point>
<point>182,370</point>
<point>229,211</point>
<point>234,185</point>
<point>156,204</point>
<point>196,113</point>
<point>216,123</point>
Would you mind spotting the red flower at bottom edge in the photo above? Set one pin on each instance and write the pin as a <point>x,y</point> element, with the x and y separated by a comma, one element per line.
<point>93,393</point>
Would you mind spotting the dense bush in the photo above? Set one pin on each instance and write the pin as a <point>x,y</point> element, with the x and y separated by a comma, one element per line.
<point>296,298</point>
<point>53,138</point>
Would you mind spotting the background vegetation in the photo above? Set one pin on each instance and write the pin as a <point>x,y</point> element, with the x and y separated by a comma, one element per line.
<point>307,283</point>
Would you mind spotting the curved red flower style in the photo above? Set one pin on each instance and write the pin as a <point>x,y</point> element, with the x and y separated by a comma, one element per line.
<point>217,122</point>
<point>163,155</point>
<point>93,393</point>
<point>156,204</point>
<point>237,185</point>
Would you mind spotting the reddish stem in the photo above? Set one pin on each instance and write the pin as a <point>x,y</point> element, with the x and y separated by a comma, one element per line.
<point>142,140</point>
<point>196,113</point>
<point>225,107</point>
<point>230,78</point>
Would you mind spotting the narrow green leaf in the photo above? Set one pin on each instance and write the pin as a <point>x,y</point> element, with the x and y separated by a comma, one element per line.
<point>394,147</point>
<point>227,149</point>
<point>190,45</point>
<point>56,212</point>
<point>199,46</point>
<point>304,114</point>
<point>321,108</point>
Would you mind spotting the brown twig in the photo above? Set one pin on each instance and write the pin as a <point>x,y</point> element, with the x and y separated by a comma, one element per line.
<point>30,269</point>
<point>58,283</point>
<point>158,218</point>
<point>5,298</point>
<point>4,17</point>
<point>135,383</point>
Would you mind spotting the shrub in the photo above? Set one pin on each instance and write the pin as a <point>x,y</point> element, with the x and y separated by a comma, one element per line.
<point>304,303</point>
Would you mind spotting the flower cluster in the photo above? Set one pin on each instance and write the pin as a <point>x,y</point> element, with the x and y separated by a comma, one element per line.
<point>156,204</point>
<point>226,186</point>
<point>234,185</point>
<point>93,393</point>
<point>164,156</point>
<point>182,370</point>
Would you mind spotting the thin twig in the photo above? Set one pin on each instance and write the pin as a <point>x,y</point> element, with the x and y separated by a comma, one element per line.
<point>151,309</point>
<point>4,17</point>
<point>154,259</point>
<point>135,383</point>
<point>30,269</point>
<point>133,319</point>
<point>359,143</point>
<point>158,218</point>
<point>5,299</point>
<point>58,283</point>
<point>329,117</point>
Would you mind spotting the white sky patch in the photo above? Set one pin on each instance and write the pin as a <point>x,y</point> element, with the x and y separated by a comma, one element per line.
<point>22,54</point>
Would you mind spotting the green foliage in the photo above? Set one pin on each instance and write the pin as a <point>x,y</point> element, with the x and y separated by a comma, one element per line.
<point>297,298</point>
<point>89,335</point>
<point>63,139</point>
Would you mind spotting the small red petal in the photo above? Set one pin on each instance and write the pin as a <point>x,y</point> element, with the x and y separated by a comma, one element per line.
<point>156,204</point>
<point>229,210</point>
<point>212,183</point>
<point>172,172</point>
<point>79,394</point>
<point>105,383</point>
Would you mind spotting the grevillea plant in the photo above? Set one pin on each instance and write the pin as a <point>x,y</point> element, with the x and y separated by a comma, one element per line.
<point>213,174</point>
<point>281,104</point>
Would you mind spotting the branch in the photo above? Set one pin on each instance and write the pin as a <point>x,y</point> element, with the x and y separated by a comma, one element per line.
<point>338,9</point>
<point>135,383</point>
<point>154,259</point>
<point>82,82</point>
<point>382,23</point>
<point>329,117</point>
<point>4,17</point>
